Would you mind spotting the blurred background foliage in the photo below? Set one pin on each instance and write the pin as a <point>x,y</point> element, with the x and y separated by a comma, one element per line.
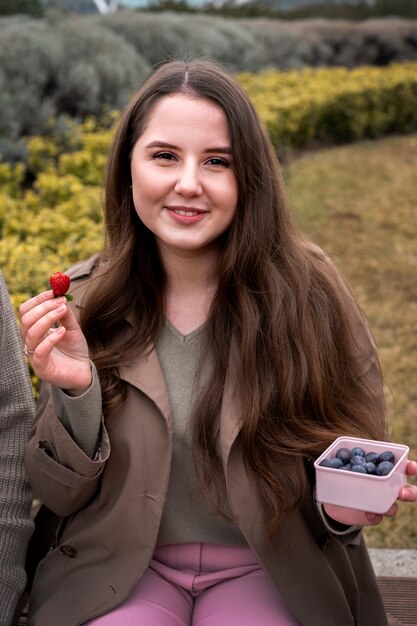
<point>73,66</point>
<point>275,9</point>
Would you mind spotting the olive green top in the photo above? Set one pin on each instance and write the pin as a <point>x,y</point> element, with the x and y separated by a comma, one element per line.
<point>187,516</point>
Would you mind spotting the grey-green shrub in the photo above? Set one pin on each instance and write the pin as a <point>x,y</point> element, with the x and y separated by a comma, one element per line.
<point>100,69</point>
<point>158,36</point>
<point>323,43</point>
<point>30,62</point>
<point>50,68</point>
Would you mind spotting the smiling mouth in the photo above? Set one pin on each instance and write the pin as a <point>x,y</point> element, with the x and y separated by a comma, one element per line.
<point>186,213</point>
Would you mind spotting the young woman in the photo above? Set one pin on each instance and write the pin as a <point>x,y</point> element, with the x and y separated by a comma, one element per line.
<point>210,354</point>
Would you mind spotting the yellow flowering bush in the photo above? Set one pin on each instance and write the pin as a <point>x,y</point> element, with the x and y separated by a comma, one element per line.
<point>56,220</point>
<point>11,178</point>
<point>334,105</point>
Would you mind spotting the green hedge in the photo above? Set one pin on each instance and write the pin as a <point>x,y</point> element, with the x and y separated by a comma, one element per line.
<point>335,105</point>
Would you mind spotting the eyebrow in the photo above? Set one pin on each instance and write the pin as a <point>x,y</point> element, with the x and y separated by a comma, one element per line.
<point>164,144</point>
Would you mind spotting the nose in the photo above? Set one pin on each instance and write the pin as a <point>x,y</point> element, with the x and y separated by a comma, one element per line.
<point>189,183</point>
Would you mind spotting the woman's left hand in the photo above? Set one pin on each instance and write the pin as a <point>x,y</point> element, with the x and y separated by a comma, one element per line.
<point>352,517</point>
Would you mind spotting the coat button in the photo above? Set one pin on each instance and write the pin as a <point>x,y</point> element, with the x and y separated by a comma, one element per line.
<point>68,551</point>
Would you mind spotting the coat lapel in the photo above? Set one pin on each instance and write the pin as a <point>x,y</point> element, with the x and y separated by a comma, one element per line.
<point>145,373</point>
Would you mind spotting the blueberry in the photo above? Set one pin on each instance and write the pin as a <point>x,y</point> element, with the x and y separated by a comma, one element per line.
<point>370,468</point>
<point>384,468</point>
<point>333,463</point>
<point>344,455</point>
<point>371,457</point>
<point>358,452</point>
<point>325,463</point>
<point>360,469</point>
<point>357,460</point>
<point>346,467</point>
<point>386,456</point>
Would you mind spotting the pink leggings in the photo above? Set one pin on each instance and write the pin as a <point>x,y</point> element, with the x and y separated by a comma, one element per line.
<point>201,584</point>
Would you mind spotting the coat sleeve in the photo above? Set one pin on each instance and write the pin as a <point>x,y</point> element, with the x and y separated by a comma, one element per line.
<point>58,456</point>
<point>16,418</point>
<point>82,415</point>
<point>63,476</point>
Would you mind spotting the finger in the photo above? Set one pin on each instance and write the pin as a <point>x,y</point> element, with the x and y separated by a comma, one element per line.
<point>38,310</point>
<point>45,347</point>
<point>350,517</point>
<point>35,313</point>
<point>35,301</point>
<point>373,519</point>
<point>408,493</point>
<point>60,372</point>
<point>392,511</point>
<point>69,320</point>
<point>411,468</point>
<point>37,331</point>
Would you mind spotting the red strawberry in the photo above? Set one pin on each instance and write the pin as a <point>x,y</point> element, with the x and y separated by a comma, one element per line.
<point>60,284</point>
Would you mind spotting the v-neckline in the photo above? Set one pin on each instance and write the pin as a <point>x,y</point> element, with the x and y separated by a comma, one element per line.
<point>184,339</point>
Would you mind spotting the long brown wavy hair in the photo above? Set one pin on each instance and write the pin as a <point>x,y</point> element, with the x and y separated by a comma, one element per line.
<point>282,325</point>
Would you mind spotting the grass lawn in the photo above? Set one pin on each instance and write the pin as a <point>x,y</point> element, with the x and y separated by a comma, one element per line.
<point>359,202</point>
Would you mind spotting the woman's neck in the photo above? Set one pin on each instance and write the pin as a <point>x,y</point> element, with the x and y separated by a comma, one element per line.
<point>191,285</point>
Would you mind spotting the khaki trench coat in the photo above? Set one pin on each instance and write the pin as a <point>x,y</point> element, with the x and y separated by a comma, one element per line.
<point>111,510</point>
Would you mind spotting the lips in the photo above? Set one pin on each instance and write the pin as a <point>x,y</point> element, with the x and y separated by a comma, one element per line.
<point>185,210</point>
<point>186,215</point>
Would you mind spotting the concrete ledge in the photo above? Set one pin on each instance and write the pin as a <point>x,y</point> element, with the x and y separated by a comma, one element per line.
<point>394,562</point>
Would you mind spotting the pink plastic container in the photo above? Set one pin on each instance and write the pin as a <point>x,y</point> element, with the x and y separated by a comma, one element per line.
<point>365,492</point>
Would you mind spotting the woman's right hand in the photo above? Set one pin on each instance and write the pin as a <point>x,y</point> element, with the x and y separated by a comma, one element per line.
<point>59,355</point>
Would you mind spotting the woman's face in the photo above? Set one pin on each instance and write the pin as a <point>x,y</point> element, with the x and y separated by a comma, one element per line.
<point>183,181</point>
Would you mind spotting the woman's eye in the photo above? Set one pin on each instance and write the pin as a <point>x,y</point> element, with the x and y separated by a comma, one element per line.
<point>218,162</point>
<point>166,156</point>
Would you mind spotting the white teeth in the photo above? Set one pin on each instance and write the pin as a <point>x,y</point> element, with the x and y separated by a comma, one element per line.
<point>186,213</point>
